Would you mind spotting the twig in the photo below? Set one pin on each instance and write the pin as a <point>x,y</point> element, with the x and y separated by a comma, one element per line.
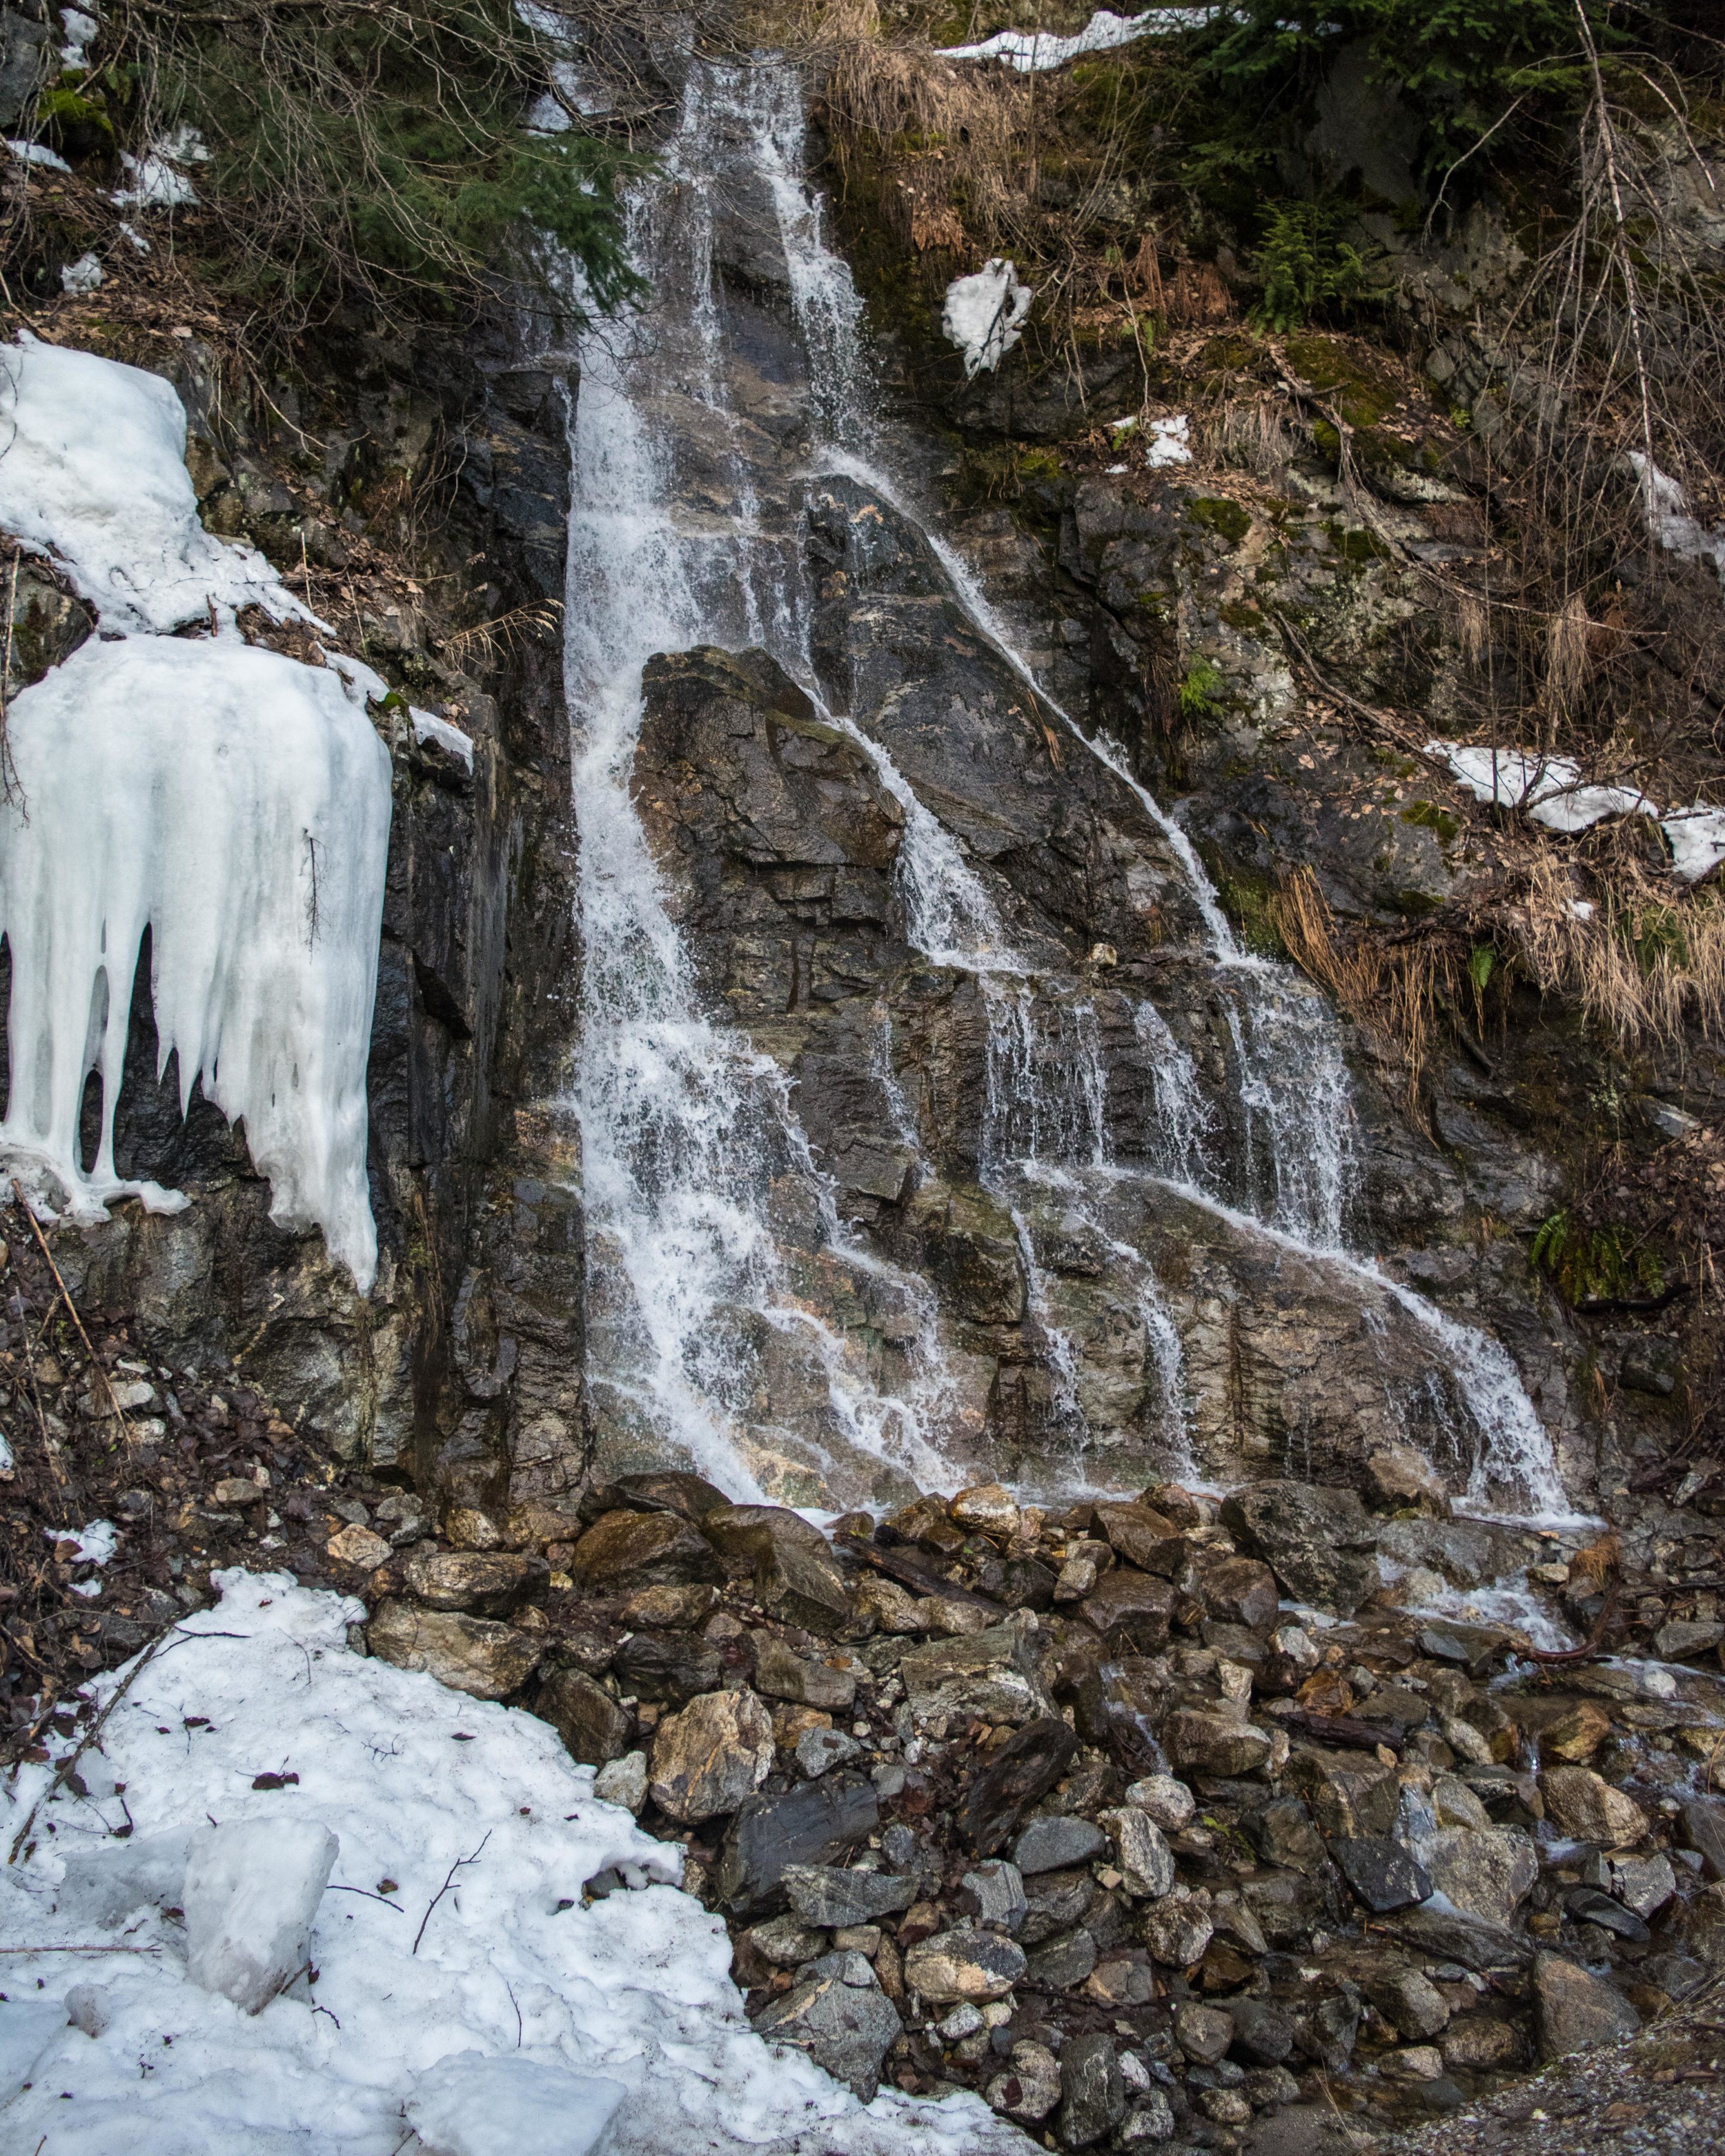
<point>449,1881</point>
<point>1594,1641</point>
<point>369,1896</point>
<point>37,1950</point>
<point>72,1310</point>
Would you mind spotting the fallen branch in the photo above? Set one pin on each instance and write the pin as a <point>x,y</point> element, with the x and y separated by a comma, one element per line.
<point>107,1383</point>
<point>68,1766</point>
<point>449,1881</point>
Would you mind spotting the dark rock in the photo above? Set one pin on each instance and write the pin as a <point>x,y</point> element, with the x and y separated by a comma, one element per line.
<point>741,1533</point>
<point>839,2014</point>
<point>1282,1833</point>
<point>671,1489</point>
<point>1575,2011</point>
<point>1239,1590</point>
<point>1092,2090</point>
<point>993,1894</point>
<point>1263,2031</point>
<point>629,1549</point>
<point>1704,1832</point>
<point>1311,1537</point>
<point>1056,1841</point>
<point>667,1666</point>
<point>1326,2033</point>
<point>1588,1906</point>
<point>1202,2033</point>
<point>827,1895</point>
<point>1475,1646</point>
<point>1381,1872</point>
<point>1134,1609</point>
<point>1489,1950</point>
<point>1132,1530</point>
<point>1055,1901</point>
<point>815,1824</point>
<point>1025,1768</point>
<point>593,1727</point>
<point>989,1674</point>
<point>1065,1959</point>
<point>1201,1744</point>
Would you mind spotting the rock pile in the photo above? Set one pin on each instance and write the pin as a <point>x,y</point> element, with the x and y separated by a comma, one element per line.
<point>1143,1819</point>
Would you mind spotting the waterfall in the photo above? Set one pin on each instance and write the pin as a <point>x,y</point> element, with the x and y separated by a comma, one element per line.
<point>688,1131</point>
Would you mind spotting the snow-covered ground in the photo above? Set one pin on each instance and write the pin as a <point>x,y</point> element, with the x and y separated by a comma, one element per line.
<point>1034,52</point>
<point>1551,790</point>
<point>453,1924</point>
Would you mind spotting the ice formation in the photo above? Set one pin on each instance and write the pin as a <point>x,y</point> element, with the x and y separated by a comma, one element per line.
<point>94,477</point>
<point>984,314</point>
<point>513,1964</point>
<point>236,803</point>
<point>1667,511</point>
<point>1034,52</point>
<point>428,727</point>
<point>250,1894</point>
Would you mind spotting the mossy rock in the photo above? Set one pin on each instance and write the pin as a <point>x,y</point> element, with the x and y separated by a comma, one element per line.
<point>1227,518</point>
<point>1359,393</point>
<point>1440,821</point>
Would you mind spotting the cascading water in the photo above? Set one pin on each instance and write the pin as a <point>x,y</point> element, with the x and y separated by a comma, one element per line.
<point>688,1131</point>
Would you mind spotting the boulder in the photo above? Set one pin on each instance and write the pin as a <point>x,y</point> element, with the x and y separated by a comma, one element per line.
<point>802,1586</point>
<point>817,1823</point>
<point>1025,1768</point>
<point>1263,2030</point>
<point>1214,1744</point>
<point>1135,1608</point>
<point>964,1963</point>
<point>1317,1541</point>
<point>1133,1532</point>
<point>1584,1804</point>
<point>993,1894</point>
<point>1577,1734</point>
<point>1680,1641</point>
<point>828,1896</point>
<point>472,1655</point>
<point>838,2014</point>
<point>1283,1833</point>
<point>1168,1801</point>
<point>625,1550</point>
<point>1202,2033</point>
<point>623,1782</point>
<point>593,1727</point>
<point>1410,2001</point>
<point>1239,1590</point>
<point>1486,1872</point>
<point>709,1757</point>
<point>782,1673</point>
<point>1575,2011</point>
<point>742,1533</point>
<point>664,1608</point>
<point>664,1489</point>
<point>485,1583</point>
<point>1092,2090</point>
<point>1066,1960</point>
<point>1480,2041</point>
<point>1176,1931</point>
<point>1396,1478</point>
<point>990,1675</point>
<point>669,1667</point>
<point>987,1508</point>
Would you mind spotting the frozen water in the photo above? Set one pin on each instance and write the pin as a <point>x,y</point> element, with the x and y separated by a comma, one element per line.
<point>428,727</point>
<point>236,804</point>
<point>984,314</point>
<point>472,2105</point>
<point>94,477</point>
<point>251,1893</point>
<point>501,1831</point>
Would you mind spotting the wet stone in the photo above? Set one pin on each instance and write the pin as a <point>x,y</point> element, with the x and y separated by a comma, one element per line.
<point>626,1550</point>
<point>803,1587</point>
<point>1025,1769</point>
<point>593,1727</point>
<point>811,1825</point>
<point>670,1609</point>
<point>1575,2011</point>
<point>472,1655</point>
<point>1213,1744</point>
<point>1584,1804</point>
<point>1381,1872</point>
<point>1486,1872</point>
<point>781,1673</point>
<point>1283,1833</point>
<point>1092,2090</point>
<point>486,1584</point>
<point>669,1667</point>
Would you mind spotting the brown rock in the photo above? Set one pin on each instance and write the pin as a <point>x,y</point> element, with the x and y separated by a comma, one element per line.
<point>668,1609</point>
<point>1134,1604</point>
<point>964,1963</point>
<point>534,1526</point>
<point>781,1673</point>
<point>1585,1805</point>
<point>485,1583</point>
<point>741,1533</point>
<point>468,1528</point>
<point>1575,1736</point>
<point>360,1547</point>
<point>1575,2011</point>
<point>987,1508</point>
<point>1132,1530</point>
<point>1202,2033</point>
<point>1398,1479</point>
<point>802,1586</point>
<point>593,1727</point>
<point>709,1757</point>
<point>669,1489</point>
<point>468,1653</point>
<point>1240,1590</point>
<point>1474,2040</point>
<point>926,1521</point>
<point>623,1551</point>
<point>1201,1744</point>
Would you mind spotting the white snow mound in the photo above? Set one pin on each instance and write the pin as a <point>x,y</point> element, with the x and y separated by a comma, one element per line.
<point>499,1831</point>
<point>1034,52</point>
<point>1550,789</point>
<point>236,803</point>
<point>94,477</point>
<point>984,313</point>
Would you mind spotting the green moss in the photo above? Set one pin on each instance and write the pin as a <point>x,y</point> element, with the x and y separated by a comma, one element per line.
<point>1354,545</point>
<point>1226,519</point>
<point>1246,900</point>
<point>1594,1264</point>
<point>1359,393</point>
<point>1434,818</point>
<point>1240,615</point>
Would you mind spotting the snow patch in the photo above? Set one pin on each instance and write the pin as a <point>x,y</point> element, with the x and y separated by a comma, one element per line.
<point>428,727</point>
<point>81,276</point>
<point>1696,838</point>
<point>94,477</point>
<point>95,1544</point>
<point>80,29</point>
<point>984,313</point>
<point>476,1853</point>
<point>37,153</point>
<point>236,803</point>
<point>1034,52</point>
<point>1666,510</point>
<point>1550,788</point>
<point>156,183</point>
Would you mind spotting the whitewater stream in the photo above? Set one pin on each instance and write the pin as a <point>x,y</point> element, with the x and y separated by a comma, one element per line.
<point>685,532</point>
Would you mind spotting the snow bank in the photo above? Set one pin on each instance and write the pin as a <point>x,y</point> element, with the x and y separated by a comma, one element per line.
<point>1034,52</point>
<point>1549,788</point>
<point>473,1851</point>
<point>237,804</point>
<point>94,476</point>
<point>428,727</point>
<point>983,314</point>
